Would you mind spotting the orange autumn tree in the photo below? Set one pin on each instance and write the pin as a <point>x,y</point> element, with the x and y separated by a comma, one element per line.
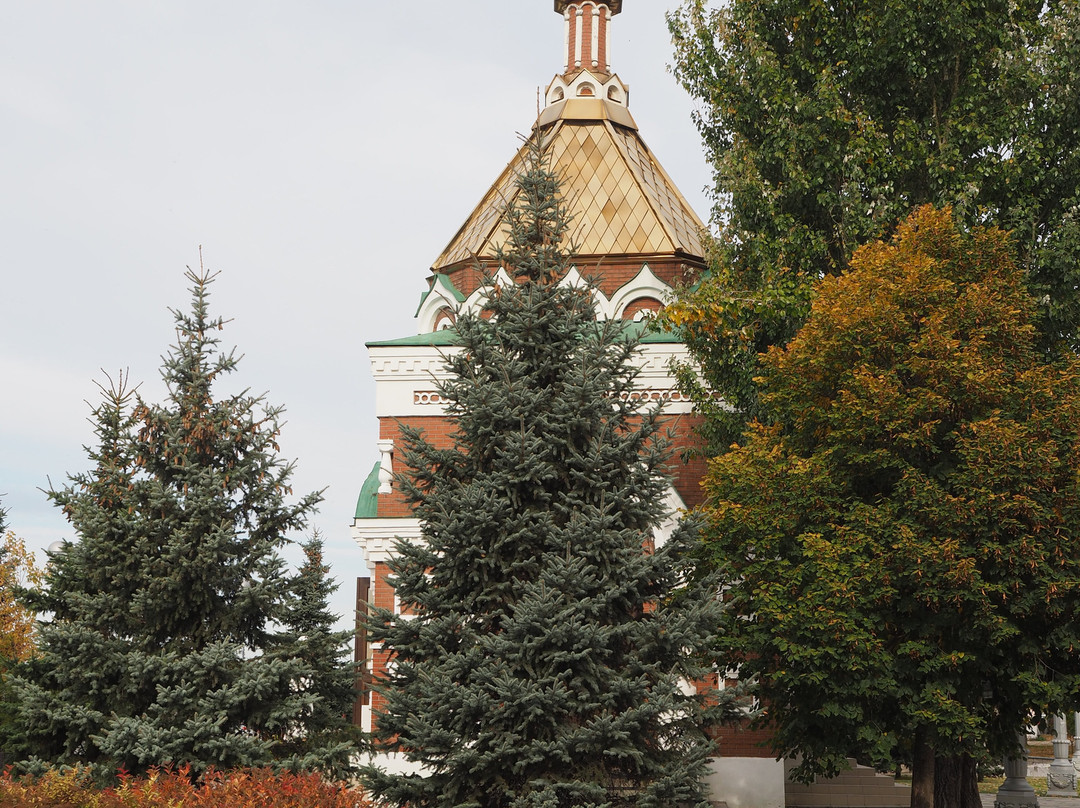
<point>17,631</point>
<point>900,529</point>
<point>17,569</point>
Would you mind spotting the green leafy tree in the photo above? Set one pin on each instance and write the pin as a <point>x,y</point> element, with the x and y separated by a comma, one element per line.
<point>323,736</point>
<point>899,536</point>
<point>162,612</point>
<point>541,659</point>
<point>826,124</point>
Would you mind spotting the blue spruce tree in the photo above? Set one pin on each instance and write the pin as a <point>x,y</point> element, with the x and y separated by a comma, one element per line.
<point>160,642</point>
<point>542,661</point>
<point>323,738</point>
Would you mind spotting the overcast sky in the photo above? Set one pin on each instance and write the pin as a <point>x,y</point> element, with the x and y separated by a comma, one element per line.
<point>321,153</point>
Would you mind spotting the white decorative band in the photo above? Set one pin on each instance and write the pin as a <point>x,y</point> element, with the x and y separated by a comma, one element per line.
<point>656,394</point>
<point>428,397</point>
<point>432,398</point>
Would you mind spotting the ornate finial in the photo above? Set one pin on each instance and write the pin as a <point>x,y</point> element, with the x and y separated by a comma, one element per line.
<point>588,33</point>
<point>587,89</point>
<point>614,5</point>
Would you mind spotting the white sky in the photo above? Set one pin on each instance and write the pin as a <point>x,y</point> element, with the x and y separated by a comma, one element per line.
<point>322,153</point>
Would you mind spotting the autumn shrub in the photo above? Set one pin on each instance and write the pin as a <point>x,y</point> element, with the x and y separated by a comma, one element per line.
<point>174,788</point>
<point>55,789</point>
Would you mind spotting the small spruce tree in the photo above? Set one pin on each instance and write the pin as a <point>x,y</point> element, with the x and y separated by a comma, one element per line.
<point>323,737</point>
<point>541,660</point>
<point>162,612</point>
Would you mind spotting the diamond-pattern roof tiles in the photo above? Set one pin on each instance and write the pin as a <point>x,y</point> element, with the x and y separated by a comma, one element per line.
<point>621,200</point>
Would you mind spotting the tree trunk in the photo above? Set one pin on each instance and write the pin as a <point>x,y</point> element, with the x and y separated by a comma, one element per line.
<point>955,783</point>
<point>922,772</point>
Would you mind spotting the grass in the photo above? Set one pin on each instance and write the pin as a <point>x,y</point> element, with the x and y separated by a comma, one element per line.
<point>990,785</point>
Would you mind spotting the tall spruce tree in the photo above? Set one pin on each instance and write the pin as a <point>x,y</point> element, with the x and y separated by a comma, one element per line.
<point>541,660</point>
<point>161,612</point>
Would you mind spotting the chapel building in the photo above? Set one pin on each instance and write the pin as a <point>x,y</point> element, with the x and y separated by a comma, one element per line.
<point>636,238</point>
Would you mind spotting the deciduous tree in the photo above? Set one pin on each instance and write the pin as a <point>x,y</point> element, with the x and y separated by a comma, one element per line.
<point>17,634</point>
<point>899,535</point>
<point>826,124</point>
<point>17,623</point>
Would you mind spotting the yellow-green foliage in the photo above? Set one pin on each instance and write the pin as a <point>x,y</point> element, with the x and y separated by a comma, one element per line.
<point>899,529</point>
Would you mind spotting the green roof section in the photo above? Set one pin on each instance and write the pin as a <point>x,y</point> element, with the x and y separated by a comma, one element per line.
<point>367,505</point>
<point>447,284</point>
<point>447,338</point>
<point>649,335</point>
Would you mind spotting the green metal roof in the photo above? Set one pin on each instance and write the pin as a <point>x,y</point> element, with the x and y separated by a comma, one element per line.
<point>447,284</point>
<point>442,339</point>
<point>367,505</point>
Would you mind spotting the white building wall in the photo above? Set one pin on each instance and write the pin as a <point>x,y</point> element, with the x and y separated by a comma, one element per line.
<point>747,782</point>
<point>405,378</point>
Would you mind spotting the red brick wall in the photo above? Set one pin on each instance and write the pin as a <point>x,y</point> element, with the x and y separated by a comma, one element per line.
<point>611,272</point>
<point>383,596</point>
<point>686,466</point>
<point>437,430</point>
<point>380,658</point>
<point>642,304</point>
<point>741,741</point>
<point>586,35</point>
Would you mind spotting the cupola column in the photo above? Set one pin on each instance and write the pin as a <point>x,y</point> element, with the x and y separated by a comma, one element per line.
<point>588,33</point>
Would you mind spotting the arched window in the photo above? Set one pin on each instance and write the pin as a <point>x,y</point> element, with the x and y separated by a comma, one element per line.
<point>444,320</point>
<point>642,308</point>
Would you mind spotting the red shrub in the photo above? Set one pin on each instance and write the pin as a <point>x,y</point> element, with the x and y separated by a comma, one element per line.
<point>173,788</point>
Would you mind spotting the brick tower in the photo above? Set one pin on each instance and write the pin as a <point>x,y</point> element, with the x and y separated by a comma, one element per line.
<point>634,235</point>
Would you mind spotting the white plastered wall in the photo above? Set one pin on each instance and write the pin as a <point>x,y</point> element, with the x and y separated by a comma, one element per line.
<point>406,375</point>
<point>747,782</point>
